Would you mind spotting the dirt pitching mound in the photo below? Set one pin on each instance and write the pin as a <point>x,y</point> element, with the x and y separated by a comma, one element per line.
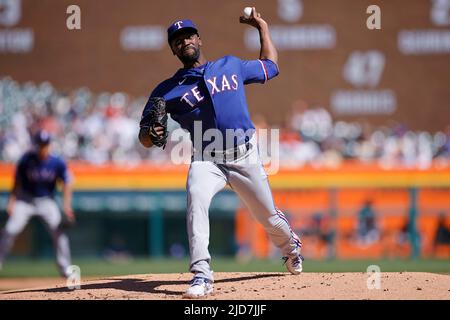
<point>249,286</point>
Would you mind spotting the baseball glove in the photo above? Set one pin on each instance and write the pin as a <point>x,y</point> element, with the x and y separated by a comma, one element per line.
<point>157,117</point>
<point>66,223</point>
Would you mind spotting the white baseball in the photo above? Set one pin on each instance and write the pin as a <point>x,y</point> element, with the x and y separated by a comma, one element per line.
<point>248,12</point>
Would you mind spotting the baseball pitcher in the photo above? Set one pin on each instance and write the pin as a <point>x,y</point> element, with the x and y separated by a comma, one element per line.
<point>205,97</point>
<point>37,174</point>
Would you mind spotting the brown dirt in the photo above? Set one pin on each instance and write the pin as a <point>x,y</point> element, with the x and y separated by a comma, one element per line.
<point>241,286</point>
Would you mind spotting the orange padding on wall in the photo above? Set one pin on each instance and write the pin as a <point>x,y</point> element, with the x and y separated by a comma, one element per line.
<point>166,176</point>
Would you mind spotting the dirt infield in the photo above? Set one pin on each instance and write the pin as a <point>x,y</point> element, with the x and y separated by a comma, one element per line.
<point>240,286</point>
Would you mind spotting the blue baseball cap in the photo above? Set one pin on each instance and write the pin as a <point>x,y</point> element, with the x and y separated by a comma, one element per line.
<point>42,138</point>
<point>180,25</point>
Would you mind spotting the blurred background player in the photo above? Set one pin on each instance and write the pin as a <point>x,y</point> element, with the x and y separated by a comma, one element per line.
<point>37,174</point>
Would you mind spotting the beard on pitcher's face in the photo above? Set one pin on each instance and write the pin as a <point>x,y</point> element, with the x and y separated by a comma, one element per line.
<point>189,54</point>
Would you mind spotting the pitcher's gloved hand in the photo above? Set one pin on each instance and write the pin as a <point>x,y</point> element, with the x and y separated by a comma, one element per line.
<point>156,119</point>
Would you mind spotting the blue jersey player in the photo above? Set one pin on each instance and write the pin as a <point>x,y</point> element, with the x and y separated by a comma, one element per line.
<point>37,174</point>
<point>206,97</point>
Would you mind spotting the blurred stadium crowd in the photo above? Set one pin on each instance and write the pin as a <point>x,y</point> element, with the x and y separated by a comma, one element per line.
<point>101,128</point>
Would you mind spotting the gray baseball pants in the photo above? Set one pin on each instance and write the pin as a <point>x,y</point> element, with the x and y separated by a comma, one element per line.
<point>247,177</point>
<point>48,211</point>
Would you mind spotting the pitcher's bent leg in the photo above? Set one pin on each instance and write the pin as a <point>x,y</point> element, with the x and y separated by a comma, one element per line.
<point>251,184</point>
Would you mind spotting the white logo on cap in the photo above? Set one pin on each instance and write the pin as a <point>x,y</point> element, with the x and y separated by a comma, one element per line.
<point>178,23</point>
